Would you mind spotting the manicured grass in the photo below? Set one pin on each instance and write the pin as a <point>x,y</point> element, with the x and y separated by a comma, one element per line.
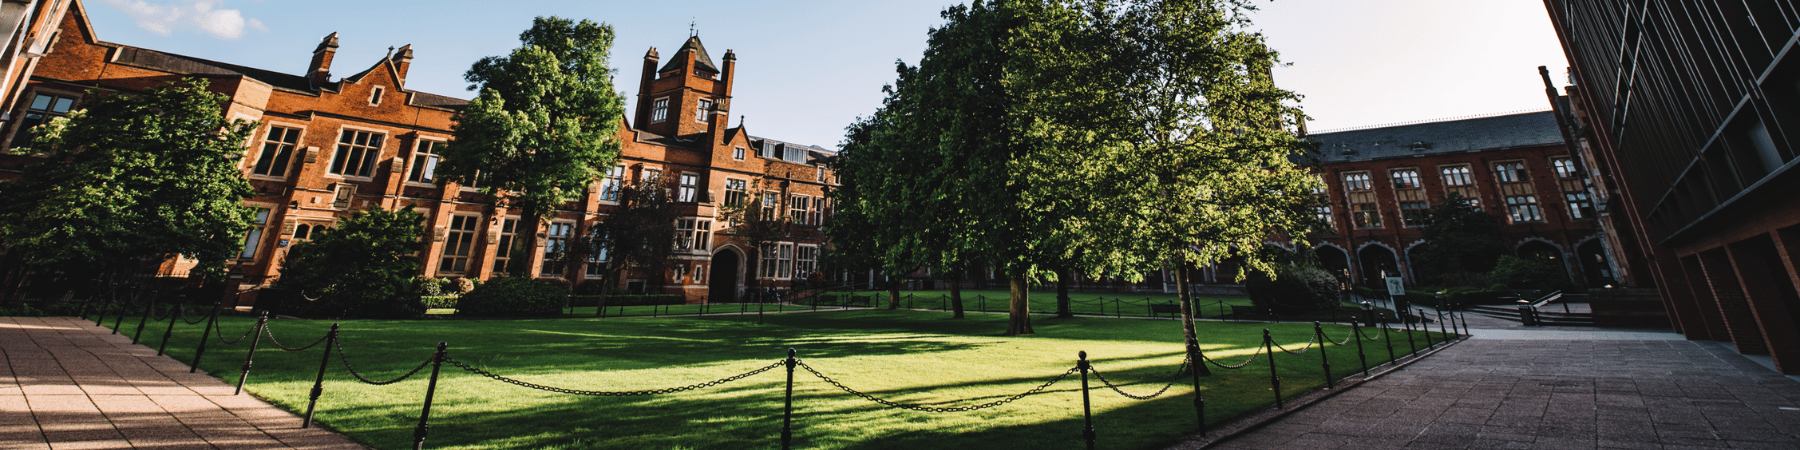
<point>915,357</point>
<point>1127,304</point>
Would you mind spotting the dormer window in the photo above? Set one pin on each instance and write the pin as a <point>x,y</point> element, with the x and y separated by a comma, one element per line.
<point>375,97</point>
<point>659,110</point>
<point>703,112</point>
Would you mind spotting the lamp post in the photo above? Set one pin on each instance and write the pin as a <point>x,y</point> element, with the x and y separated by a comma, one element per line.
<point>1368,312</point>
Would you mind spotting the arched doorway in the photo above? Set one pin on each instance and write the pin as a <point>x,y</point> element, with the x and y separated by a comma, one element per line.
<point>724,284</point>
<point>1377,260</point>
<point>1548,255</point>
<point>1334,260</point>
<point>1593,264</point>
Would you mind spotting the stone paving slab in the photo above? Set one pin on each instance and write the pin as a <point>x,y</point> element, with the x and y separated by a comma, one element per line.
<point>67,384</point>
<point>1554,391</point>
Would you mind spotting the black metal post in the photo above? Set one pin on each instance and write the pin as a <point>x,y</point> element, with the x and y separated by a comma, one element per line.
<point>1388,339</point>
<point>1356,335</point>
<point>170,331</point>
<point>149,307</point>
<point>1409,341</point>
<point>319,382</point>
<point>1319,332</point>
<point>1087,410</point>
<point>1440,316</point>
<point>787,414</point>
<point>1274,380</point>
<point>1425,328</point>
<point>119,321</point>
<point>424,428</point>
<point>205,333</point>
<point>261,323</point>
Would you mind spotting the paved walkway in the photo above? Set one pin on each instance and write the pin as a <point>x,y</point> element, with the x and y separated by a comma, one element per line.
<point>68,384</point>
<point>1555,389</point>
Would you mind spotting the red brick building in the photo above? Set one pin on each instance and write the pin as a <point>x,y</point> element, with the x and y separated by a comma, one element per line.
<point>327,146</point>
<point>1382,181</point>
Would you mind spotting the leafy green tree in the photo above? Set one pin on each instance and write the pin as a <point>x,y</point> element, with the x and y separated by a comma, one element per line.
<point>1461,242</point>
<point>640,232</point>
<point>545,124</point>
<point>129,181</point>
<point>361,268</point>
<point>757,223</point>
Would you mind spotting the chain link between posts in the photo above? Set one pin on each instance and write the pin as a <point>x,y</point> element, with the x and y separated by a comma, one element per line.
<point>1309,344</point>
<point>1259,351</point>
<point>1158,393</point>
<point>477,371</point>
<point>219,330</point>
<point>360,377</point>
<point>271,335</point>
<point>892,404</point>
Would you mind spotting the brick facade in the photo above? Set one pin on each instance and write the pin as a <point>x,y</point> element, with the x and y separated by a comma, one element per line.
<point>329,146</point>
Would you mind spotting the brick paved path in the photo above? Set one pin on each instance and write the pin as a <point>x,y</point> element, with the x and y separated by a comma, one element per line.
<point>69,384</point>
<point>1514,390</point>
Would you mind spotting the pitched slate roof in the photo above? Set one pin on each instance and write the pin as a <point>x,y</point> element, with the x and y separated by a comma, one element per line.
<point>814,154</point>
<point>702,61</point>
<point>1448,136</point>
<point>188,65</point>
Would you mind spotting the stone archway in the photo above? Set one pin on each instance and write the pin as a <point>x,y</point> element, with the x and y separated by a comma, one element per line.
<point>1594,267</point>
<point>1377,260</point>
<point>1334,260</point>
<point>723,286</point>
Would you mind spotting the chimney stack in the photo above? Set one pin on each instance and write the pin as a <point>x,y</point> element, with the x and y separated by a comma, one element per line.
<point>319,72</point>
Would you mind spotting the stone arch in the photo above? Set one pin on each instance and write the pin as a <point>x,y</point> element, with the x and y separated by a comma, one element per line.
<point>726,280</point>
<point>1376,259</point>
<point>1333,259</point>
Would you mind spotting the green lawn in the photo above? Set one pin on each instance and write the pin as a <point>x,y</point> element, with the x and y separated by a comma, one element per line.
<point>916,357</point>
<point>1128,304</point>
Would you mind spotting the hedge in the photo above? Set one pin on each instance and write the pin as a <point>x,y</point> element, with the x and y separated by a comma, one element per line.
<point>627,300</point>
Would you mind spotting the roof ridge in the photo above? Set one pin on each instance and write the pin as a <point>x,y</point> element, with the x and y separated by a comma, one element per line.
<point>1426,121</point>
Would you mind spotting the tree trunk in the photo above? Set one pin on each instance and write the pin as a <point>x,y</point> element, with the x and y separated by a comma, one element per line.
<point>1019,314</point>
<point>893,293</point>
<point>529,239</point>
<point>956,306</point>
<point>1062,295</point>
<point>1188,333</point>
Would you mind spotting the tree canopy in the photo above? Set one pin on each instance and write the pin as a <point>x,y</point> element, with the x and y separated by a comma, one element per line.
<point>640,232</point>
<point>363,267</point>
<point>1461,243</point>
<point>132,180</point>
<point>545,123</point>
<point>1104,137</point>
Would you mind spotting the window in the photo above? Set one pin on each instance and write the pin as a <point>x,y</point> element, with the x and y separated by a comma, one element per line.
<point>1356,181</point>
<point>609,187</point>
<point>375,96</point>
<point>818,211</point>
<point>1565,167</point>
<point>43,107</point>
<point>737,153</point>
<point>1580,206</point>
<point>254,240</point>
<point>703,111</point>
<point>1414,214</point>
<point>734,192</point>
<point>769,148</point>
<point>1524,208</point>
<point>821,174</point>
<point>693,234</point>
<point>1321,188</point>
<point>1511,172</point>
<point>1457,175</point>
<point>1365,215</point>
<point>556,239</point>
<point>1405,178</point>
<point>1458,179</point>
<point>659,111</point>
<point>798,206</point>
<point>796,154</point>
<point>459,244</point>
<point>1322,213</point>
<point>690,187</point>
<point>769,202</point>
<point>305,231</point>
<point>278,149</point>
<point>509,229</point>
<point>424,162</point>
<point>1363,210</point>
<point>356,153</point>
<point>806,259</point>
<point>766,267</point>
<point>596,262</point>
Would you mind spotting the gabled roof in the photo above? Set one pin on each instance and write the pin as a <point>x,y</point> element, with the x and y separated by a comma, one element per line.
<point>187,65</point>
<point>1448,136</point>
<point>702,61</point>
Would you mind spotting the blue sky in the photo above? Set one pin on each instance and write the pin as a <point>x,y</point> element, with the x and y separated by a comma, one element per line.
<point>809,68</point>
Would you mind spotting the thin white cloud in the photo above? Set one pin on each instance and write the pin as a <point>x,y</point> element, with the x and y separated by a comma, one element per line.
<point>165,18</point>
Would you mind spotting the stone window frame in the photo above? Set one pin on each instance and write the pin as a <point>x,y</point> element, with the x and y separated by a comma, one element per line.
<point>297,153</point>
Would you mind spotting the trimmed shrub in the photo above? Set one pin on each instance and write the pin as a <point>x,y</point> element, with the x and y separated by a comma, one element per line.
<point>1294,288</point>
<point>440,301</point>
<point>430,287</point>
<point>512,297</point>
<point>566,285</point>
<point>589,287</point>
